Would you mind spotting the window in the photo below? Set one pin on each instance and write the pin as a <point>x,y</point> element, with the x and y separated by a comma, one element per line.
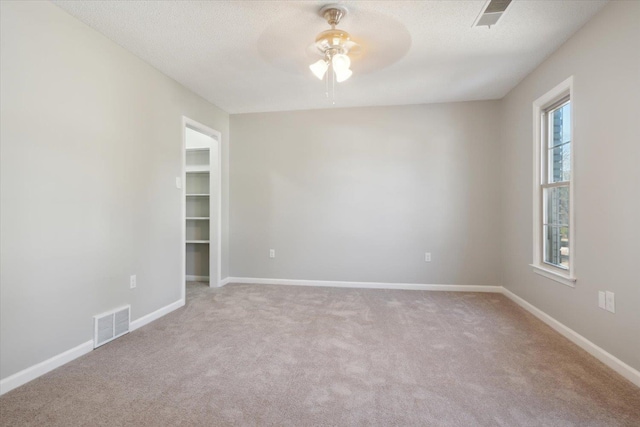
<point>553,226</point>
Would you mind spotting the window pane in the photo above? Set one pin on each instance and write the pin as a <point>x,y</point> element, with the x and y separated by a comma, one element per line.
<point>557,204</point>
<point>560,163</point>
<point>556,248</point>
<point>560,123</point>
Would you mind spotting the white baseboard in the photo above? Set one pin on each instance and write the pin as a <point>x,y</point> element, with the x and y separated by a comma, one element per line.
<point>144,320</point>
<point>33,372</point>
<point>602,355</point>
<point>226,281</point>
<point>190,278</point>
<point>365,285</point>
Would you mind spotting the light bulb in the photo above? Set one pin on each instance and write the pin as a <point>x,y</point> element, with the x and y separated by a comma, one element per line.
<point>343,75</point>
<point>341,62</point>
<point>319,68</point>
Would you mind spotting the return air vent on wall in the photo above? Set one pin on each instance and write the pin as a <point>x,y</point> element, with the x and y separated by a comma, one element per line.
<point>491,13</point>
<point>111,325</point>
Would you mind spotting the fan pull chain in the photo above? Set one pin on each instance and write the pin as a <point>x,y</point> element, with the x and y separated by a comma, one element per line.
<point>333,86</point>
<point>326,85</point>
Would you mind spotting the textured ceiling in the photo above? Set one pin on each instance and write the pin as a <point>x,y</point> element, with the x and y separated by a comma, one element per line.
<point>252,56</point>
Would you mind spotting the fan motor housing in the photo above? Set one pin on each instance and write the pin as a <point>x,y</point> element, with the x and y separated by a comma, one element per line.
<point>332,39</point>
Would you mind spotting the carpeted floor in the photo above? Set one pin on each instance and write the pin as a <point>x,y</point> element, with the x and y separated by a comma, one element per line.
<point>300,356</point>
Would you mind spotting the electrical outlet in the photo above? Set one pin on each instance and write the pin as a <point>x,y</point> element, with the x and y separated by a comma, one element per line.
<point>132,281</point>
<point>178,182</point>
<point>602,301</point>
<point>427,257</point>
<point>272,253</point>
<point>611,301</point>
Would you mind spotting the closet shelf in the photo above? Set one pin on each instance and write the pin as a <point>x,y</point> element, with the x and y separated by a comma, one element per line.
<point>197,195</point>
<point>197,148</point>
<point>197,169</point>
<point>194,218</point>
<point>198,241</point>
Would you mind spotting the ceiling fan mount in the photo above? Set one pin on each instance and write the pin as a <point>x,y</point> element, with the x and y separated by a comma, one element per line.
<point>333,13</point>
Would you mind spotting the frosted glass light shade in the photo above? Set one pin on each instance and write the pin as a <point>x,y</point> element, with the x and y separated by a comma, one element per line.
<point>319,68</point>
<point>340,62</point>
<point>343,75</point>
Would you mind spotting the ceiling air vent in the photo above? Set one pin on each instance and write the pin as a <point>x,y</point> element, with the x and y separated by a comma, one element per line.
<point>491,13</point>
<point>111,325</point>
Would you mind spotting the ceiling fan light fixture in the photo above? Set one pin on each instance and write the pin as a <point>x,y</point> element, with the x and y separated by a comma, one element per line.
<point>334,44</point>
<point>319,68</point>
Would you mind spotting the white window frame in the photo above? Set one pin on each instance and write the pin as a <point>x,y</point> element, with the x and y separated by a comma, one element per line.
<point>540,160</point>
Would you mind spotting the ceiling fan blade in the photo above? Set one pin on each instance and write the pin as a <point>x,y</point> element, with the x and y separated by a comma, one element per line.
<point>312,51</point>
<point>350,44</point>
<point>353,48</point>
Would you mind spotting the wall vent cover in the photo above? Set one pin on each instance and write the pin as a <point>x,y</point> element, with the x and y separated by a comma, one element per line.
<point>491,13</point>
<point>111,325</point>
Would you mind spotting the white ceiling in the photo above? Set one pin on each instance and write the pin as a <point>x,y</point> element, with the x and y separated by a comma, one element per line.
<point>252,56</point>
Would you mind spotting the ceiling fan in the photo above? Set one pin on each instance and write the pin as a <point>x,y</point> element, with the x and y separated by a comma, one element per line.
<point>369,51</point>
<point>334,45</point>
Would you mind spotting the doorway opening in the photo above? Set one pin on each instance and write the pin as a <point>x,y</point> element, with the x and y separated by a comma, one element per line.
<point>201,204</point>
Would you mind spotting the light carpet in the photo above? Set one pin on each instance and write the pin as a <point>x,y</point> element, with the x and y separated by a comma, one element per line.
<point>255,355</point>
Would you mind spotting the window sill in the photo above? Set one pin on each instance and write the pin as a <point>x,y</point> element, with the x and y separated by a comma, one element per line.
<point>553,275</point>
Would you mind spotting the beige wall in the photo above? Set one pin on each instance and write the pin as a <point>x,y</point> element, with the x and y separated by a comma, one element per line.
<point>604,58</point>
<point>361,194</point>
<point>90,148</point>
